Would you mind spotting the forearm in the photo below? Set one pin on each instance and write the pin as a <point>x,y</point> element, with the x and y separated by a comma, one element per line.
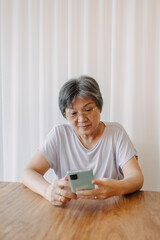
<point>108,187</point>
<point>130,184</point>
<point>35,181</point>
<point>133,177</point>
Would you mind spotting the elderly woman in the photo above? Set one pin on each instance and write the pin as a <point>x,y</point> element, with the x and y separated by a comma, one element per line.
<point>85,142</point>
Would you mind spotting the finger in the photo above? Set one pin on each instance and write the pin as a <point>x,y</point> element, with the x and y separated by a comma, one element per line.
<point>67,194</point>
<point>63,183</point>
<point>66,178</point>
<point>62,199</point>
<point>84,197</point>
<point>56,200</point>
<point>57,203</point>
<point>88,196</point>
<point>86,193</point>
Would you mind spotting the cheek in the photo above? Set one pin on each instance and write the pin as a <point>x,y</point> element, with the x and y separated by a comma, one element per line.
<point>72,124</point>
<point>96,118</point>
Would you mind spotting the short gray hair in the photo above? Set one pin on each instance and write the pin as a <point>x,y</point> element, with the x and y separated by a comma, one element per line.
<point>82,87</point>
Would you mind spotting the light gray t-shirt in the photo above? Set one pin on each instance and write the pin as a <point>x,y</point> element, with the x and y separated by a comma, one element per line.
<point>64,152</point>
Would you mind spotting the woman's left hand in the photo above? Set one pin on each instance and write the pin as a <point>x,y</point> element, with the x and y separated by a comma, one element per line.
<point>105,188</point>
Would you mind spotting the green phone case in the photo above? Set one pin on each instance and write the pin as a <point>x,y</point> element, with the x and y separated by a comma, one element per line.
<point>80,179</point>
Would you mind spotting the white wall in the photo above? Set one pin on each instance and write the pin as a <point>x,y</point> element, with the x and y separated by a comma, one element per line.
<point>43,43</point>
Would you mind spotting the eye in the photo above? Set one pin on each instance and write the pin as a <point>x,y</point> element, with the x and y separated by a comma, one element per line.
<point>73,113</point>
<point>88,110</point>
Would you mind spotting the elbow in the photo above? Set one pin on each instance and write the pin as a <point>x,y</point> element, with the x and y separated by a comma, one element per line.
<point>23,176</point>
<point>141,181</point>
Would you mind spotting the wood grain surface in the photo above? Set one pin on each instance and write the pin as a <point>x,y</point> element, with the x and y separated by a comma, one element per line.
<point>26,215</point>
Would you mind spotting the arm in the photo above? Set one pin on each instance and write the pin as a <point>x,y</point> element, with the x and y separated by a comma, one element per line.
<point>58,192</point>
<point>33,174</point>
<point>133,177</point>
<point>132,181</point>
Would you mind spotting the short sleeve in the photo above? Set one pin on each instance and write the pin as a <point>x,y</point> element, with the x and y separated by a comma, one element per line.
<point>124,147</point>
<point>49,148</point>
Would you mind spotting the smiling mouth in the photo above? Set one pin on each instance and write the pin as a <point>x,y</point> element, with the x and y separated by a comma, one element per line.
<point>86,126</point>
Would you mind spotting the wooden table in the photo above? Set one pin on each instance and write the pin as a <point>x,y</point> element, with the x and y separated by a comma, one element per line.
<point>26,215</point>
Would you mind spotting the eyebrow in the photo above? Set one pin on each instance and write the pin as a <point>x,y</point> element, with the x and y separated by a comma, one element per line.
<point>83,106</point>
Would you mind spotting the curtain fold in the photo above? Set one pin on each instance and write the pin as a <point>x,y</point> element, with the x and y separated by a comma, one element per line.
<point>45,42</point>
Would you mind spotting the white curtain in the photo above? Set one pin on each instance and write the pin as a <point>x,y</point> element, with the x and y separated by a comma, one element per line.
<point>45,42</point>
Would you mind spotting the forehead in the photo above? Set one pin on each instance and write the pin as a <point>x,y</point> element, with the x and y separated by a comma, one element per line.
<point>81,102</point>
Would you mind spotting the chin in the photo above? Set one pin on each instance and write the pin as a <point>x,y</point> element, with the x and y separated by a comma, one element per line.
<point>85,132</point>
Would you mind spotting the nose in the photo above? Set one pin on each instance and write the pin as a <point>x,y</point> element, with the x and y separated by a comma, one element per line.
<point>81,117</point>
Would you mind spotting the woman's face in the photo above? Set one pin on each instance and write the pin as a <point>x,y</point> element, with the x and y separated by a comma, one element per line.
<point>83,116</point>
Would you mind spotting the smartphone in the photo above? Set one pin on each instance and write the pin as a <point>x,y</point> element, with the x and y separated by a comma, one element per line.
<point>80,179</point>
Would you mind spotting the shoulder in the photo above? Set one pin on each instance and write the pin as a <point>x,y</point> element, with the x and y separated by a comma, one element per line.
<point>115,129</point>
<point>60,129</point>
<point>114,126</point>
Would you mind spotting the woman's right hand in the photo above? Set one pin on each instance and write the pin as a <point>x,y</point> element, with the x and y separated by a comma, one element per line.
<point>59,192</point>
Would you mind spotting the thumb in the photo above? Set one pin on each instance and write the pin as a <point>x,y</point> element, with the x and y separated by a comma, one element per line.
<point>98,182</point>
<point>66,178</point>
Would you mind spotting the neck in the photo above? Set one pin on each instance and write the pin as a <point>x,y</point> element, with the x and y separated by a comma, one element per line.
<point>89,141</point>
